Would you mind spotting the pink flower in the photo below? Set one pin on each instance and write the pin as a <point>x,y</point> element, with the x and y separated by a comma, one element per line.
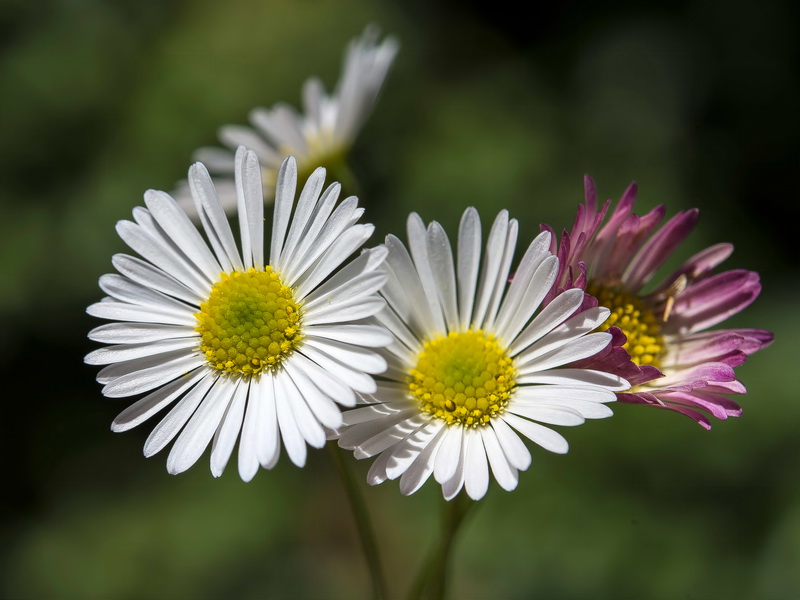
<point>661,343</point>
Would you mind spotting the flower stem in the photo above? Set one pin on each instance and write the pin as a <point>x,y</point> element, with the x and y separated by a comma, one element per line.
<point>432,580</point>
<point>361,516</point>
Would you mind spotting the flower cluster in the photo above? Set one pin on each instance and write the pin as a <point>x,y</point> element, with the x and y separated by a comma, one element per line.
<point>432,361</point>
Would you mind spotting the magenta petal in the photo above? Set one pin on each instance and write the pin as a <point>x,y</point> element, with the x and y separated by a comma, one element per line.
<point>607,236</point>
<point>754,339</point>
<point>719,406</point>
<point>658,248</point>
<point>652,400</point>
<point>630,237</point>
<point>707,302</point>
<point>700,375</point>
<point>699,265</point>
<point>727,387</point>
<point>707,345</point>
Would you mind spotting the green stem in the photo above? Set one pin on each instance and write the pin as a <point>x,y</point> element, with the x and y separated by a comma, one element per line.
<point>361,516</point>
<point>432,579</point>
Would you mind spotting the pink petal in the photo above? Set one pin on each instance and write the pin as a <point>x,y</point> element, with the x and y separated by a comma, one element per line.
<point>658,248</point>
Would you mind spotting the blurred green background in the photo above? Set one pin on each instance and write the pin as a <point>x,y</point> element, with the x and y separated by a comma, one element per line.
<point>100,101</point>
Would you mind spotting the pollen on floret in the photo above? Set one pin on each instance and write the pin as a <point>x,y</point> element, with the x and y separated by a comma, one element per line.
<point>250,322</point>
<point>464,378</point>
<point>637,321</point>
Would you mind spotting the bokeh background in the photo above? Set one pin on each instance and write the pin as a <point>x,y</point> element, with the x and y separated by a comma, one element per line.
<point>102,100</point>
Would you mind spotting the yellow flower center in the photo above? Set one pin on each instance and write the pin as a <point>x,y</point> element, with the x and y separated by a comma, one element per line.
<point>636,320</point>
<point>463,378</point>
<point>249,323</point>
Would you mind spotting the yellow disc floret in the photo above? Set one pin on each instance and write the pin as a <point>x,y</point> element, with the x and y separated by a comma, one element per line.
<point>249,323</point>
<point>636,320</point>
<point>463,378</point>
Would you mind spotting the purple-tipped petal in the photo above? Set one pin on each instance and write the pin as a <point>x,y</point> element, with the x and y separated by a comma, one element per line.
<point>632,235</point>
<point>718,406</point>
<point>699,376</point>
<point>608,235</point>
<point>651,400</point>
<point>698,266</point>
<point>712,300</point>
<point>658,248</point>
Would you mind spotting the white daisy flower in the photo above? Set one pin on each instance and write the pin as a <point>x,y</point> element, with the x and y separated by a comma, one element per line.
<point>321,135</point>
<point>244,348</point>
<point>472,361</point>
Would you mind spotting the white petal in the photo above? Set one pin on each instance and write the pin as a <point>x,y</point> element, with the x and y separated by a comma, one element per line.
<point>284,199</point>
<point>357,380</point>
<point>250,194</point>
<point>418,471</point>
<point>403,454</point>
<point>545,437</point>
<point>343,217</point>
<point>213,218</point>
<point>143,409</point>
<point>292,438</point>
<point>122,311</point>
<point>513,447</point>
<point>469,257</point>
<point>504,473</point>
<point>404,289</point>
<point>162,255</point>
<point>576,377</point>
<point>333,387</point>
<point>347,243</point>
<point>357,287</point>
<point>306,422</point>
<point>370,336</point>
<point>418,246</point>
<point>362,359</point>
<point>324,409</point>
<point>449,452</point>
<point>575,350</point>
<point>303,212</point>
<point>493,257</point>
<point>389,436</point>
<point>476,469</point>
<point>452,486</point>
<point>558,393</point>
<point>573,328</point>
<point>170,425</point>
<point>123,352</point>
<point>173,220</point>
<point>440,257</point>
<point>197,434</point>
<point>551,316</point>
<point>309,239</point>
<point>139,333</point>
<point>154,278</point>
<point>248,442</point>
<point>527,297</point>
<point>268,448</point>
<point>354,310</point>
<point>225,438</point>
<point>147,379</point>
<point>552,415</point>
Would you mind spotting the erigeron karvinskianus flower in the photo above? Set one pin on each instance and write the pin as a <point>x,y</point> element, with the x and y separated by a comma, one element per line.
<point>321,135</point>
<point>239,346</point>
<point>474,365</point>
<point>674,361</point>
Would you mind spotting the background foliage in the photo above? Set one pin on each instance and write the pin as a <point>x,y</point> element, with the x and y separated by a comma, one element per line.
<point>695,100</point>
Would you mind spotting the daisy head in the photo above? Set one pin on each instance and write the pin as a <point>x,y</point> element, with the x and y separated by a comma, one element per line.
<point>321,134</point>
<point>474,365</point>
<point>241,343</point>
<point>661,326</point>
